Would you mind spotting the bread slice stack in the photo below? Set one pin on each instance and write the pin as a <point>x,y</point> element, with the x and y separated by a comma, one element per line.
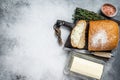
<point>78,35</point>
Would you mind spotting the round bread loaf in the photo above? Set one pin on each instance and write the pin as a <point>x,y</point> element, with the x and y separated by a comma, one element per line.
<point>103,35</point>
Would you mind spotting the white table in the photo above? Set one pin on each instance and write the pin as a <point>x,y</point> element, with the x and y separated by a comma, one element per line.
<point>28,46</point>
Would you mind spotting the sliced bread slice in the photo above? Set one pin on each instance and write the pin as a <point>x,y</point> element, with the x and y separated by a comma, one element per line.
<point>78,34</point>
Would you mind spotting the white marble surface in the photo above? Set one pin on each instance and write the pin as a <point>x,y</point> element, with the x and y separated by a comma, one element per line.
<point>28,46</point>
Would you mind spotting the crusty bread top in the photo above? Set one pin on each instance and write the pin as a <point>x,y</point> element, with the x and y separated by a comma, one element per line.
<point>103,35</point>
<point>78,34</point>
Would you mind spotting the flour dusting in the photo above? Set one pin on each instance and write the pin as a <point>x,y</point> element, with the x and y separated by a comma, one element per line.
<point>99,38</point>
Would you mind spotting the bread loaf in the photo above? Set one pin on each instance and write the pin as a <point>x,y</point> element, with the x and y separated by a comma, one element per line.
<point>103,35</point>
<point>78,35</point>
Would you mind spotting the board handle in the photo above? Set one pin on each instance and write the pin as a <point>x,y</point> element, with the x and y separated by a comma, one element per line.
<point>57,30</point>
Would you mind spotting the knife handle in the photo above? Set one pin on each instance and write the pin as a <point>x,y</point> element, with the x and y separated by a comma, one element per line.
<point>103,54</point>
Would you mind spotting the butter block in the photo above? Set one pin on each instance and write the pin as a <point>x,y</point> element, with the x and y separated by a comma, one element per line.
<point>86,67</point>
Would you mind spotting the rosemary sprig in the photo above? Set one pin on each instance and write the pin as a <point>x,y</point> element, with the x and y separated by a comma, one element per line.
<point>83,14</point>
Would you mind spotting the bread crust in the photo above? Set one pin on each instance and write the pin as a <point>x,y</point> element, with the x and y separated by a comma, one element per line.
<point>78,35</point>
<point>110,37</point>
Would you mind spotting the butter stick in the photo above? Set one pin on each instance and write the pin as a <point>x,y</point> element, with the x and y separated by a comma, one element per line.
<point>86,67</point>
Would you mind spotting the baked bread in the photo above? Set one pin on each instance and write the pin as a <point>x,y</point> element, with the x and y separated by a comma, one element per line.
<point>103,35</point>
<point>78,34</point>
